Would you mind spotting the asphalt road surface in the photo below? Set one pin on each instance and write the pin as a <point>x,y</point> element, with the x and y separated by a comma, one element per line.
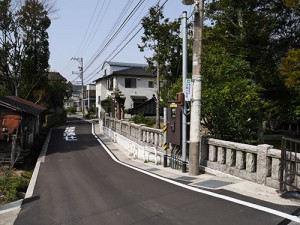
<point>79,184</point>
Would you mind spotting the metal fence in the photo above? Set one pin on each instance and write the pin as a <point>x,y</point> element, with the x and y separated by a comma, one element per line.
<point>290,165</point>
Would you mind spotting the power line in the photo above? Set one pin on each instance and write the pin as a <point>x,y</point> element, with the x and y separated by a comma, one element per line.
<point>100,51</point>
<point>71,63</point>
<point>86,32</point>
<point>127,41</point>
<point>87,78</point>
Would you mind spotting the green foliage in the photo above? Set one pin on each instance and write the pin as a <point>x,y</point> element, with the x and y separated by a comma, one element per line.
<point>141,119</point>
<point>91,112</point>
<point>260,33</point>
<point>56,90</point>
<point>71,110</point>
<point>11,184</point>
<point>230,101</point>
<point>162,36</point>
<point>169,91</point>
<point>24,47</point>
<point>107,104</point>
<point>290,69</point>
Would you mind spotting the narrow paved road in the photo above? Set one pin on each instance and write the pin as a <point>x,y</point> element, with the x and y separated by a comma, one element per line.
<point>79,184</point>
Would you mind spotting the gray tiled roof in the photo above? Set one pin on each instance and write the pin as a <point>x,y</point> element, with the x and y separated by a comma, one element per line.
<point>21,105</point>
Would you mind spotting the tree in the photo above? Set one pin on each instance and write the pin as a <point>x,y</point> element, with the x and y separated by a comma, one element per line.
<point>162,37</point>
<point>231,101</point>
<point>55,91</point>
<point>11,48</point>
<point>34,21</point>
<point>290,70</point>
<point>24,46</point>
<point>260,32</point>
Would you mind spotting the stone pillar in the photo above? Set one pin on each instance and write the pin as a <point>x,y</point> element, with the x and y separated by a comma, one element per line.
<point>262,163</point>
<point>250,163</point>
<point>140,134</point>
<point>276,169</point>
<point>212,155</point>
<point>203,151</point>
<point>230,157</point>
<point>221,155</point>
<point>240,160</point>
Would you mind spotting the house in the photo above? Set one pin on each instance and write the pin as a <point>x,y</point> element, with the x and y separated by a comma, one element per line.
<point>136,84</point>
<point>76,99</point>
<point>148,108</point>
<point>20,123</point>
<point>89,97</point>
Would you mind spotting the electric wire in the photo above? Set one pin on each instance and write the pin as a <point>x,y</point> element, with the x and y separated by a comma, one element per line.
<point>131,31</point>
<point>71,63</point>
<point>100,51</point>
<point>115,34</point>
<point>87,40</point>
<point>129,39</point>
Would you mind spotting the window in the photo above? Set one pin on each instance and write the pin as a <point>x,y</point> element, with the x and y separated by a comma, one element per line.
<point>130,83</point>
<point>150,84</point>
<point>110,84</point>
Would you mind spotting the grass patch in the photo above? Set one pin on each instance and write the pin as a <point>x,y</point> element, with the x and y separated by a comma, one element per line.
<point>12,183</point>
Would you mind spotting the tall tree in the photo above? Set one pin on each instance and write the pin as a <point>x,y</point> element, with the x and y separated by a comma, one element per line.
<point>230,100</point>
<point>24,45</point>
<point>261,32</point>
<point>34,22</point>
<point>11,48</point>
<point>162,37</point>
<point>290,70</point>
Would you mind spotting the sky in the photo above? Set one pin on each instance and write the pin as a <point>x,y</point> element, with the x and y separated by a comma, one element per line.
<point>84,29</point>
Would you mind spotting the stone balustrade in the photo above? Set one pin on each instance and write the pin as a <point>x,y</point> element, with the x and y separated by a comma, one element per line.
<point>138,133</point>
<point>260,164</point>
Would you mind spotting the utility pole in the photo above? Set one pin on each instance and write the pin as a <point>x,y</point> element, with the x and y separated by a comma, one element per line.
<point>80,60</point>
<point>196,84</point>
<point>184,73</point>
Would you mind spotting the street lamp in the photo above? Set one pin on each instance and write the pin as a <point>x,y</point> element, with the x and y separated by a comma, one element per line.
<point>195,118</point>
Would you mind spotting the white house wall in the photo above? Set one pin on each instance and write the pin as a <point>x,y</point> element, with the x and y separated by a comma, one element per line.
<point>141,89</point>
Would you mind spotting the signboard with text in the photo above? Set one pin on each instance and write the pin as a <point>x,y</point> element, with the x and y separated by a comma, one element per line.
<point>188,90</point>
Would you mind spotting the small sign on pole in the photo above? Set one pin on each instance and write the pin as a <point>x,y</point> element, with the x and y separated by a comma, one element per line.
<point>188,89</point>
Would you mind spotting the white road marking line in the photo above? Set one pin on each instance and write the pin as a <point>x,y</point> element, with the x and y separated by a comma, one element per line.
<point>230,199</point>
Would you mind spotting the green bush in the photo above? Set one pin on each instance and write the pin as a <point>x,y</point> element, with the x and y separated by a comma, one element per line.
<point>71,110</point>
<point>141,119</point>
<point>11,184</point>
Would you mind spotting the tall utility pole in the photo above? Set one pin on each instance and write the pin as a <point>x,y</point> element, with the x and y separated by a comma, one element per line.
<point>80,60</point>
<point>184,73</point>
<point>196,84</point>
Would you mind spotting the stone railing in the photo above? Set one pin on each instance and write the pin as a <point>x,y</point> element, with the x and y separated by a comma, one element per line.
<point>140,134</point>
<point>260,164</point>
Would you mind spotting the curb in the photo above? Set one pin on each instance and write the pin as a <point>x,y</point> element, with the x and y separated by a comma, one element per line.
<point>17,204</point>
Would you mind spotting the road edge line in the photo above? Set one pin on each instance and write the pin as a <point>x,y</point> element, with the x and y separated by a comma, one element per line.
<point>224,197</point>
